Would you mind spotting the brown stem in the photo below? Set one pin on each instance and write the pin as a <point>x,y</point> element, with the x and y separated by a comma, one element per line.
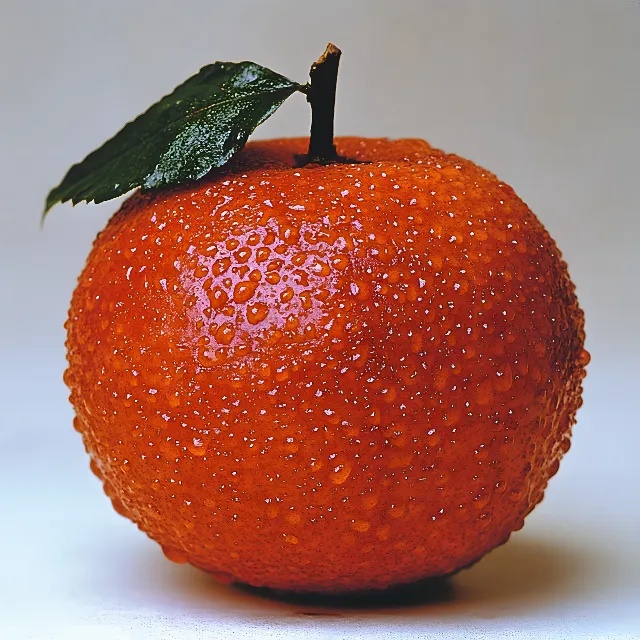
<point>321,95</point>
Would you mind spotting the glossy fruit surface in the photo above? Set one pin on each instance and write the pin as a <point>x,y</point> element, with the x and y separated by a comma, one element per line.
<point>327,378</point>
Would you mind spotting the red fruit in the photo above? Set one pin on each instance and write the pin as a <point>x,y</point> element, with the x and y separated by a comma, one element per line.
<point>329,378</point>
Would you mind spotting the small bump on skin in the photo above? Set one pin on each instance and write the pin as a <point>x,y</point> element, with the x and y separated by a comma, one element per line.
<point>327,378</point>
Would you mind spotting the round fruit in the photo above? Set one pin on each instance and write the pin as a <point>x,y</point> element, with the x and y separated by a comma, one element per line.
<point>328,378</point>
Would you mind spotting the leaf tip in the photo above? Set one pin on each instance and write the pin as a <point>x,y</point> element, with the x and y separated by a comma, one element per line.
<point>51,200</point>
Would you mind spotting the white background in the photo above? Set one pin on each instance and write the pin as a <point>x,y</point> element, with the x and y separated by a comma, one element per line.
<point>546,94</point>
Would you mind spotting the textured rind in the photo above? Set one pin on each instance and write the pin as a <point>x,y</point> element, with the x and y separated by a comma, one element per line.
<point>327,378</point>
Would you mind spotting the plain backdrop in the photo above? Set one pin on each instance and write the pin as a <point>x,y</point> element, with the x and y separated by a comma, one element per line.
<point>544,93</point>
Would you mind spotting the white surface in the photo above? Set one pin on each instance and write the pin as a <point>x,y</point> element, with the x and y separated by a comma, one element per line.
<point>546,94</point>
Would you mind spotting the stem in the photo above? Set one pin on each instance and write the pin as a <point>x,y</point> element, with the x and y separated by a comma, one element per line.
<point>321,95</point>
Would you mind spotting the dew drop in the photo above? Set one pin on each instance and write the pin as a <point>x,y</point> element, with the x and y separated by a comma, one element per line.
<point>262,254</point>
<point>292,322</point>
<point>321,268</point>
<point>225,334</point>
<point>175,555</point>
<point>93,465</point>
<point>244,291</point>
<point>299,259</point>
<point>286,295</point>
<point>361,525</point>
<point>504,379</point>
<point>206,358</point>
<point>263,370</point>
<point>565,445</point>
<point>197,447</point>
<point>242,255</point>
<point>201,271</point>
<point>340,473</point>
<point>256,313</point>
<point>370,501</point>
<point>383,532</point>
<point>217,297</point>
<point>119,508</point>
<point>339,262</point>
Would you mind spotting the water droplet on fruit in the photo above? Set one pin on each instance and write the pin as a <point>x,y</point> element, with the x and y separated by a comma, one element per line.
<point>119,508</point>
<point>370,501</point>
<point>292,322</point>
<point>340,473</point>
<point>242,255</point>
<point>200,272</point>
<point>206,358</point>
<point>361,526</point>
<point>108,489</point>
<point>175,555</point>
<point>262,254</point>
<point>339,262</point>
<point>225,334</point>
<point>500,487</point>
<point>299,259</point>
<point>321,268</point>
<point>383,532</point>
<point>93,465</point>
<point>197,447</point>
<point>217,297</point>
<point>504,378</point>
<point>484,520</point>
<point>244,291</point>
<point>67,376</point>
<point>256,313</point>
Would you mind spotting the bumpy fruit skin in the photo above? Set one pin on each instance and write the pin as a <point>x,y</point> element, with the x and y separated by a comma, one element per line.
<point>327,378</point>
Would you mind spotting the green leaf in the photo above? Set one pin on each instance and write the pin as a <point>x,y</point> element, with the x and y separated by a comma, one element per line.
<point>199,126</point>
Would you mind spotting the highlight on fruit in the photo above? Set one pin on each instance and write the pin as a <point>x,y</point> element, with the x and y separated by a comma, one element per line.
<point>316,365</point>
